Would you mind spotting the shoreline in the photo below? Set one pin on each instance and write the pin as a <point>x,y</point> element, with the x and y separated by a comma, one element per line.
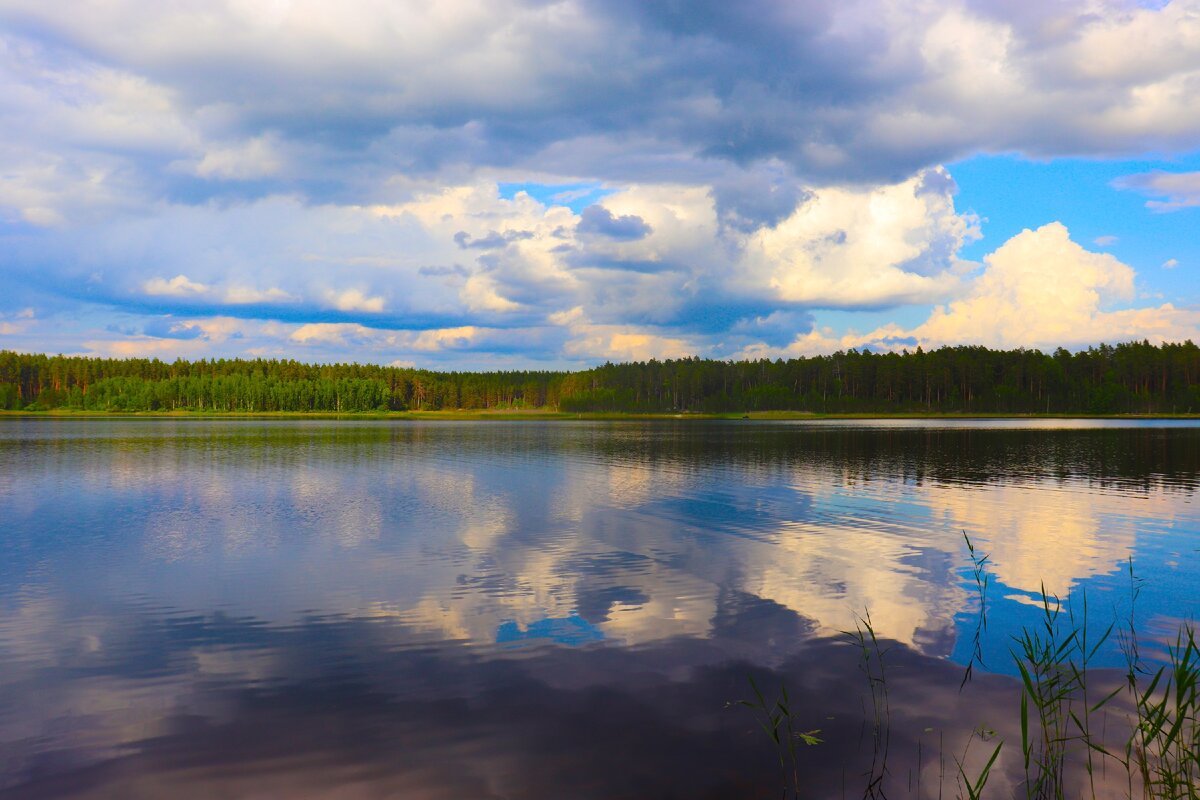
<point>548,415</point>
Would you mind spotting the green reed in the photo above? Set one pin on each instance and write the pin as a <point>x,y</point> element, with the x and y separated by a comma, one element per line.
<point>1161,753</point>
<point>1062,697</point>
<point>982,579</point>
<point>1053,660</point>
<point>872,664</point>
<point>1163,749</point>
<point>778,720</point>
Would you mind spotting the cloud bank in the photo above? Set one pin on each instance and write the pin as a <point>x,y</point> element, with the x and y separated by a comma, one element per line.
<point>331,181</point>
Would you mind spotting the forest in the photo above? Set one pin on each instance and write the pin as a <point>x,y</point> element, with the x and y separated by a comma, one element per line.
<point>1133,377</point>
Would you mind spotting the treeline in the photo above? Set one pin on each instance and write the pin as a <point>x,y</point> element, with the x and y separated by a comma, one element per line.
<point>33,382</point>
<point>1135,377</point>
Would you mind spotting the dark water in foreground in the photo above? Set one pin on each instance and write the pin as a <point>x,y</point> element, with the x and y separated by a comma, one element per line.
<point>211,608</point>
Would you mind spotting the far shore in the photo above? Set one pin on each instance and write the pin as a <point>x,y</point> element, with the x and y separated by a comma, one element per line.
<point>550,415</point>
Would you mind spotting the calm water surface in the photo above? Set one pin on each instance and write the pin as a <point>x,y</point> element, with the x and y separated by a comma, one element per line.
<point>280,608</point>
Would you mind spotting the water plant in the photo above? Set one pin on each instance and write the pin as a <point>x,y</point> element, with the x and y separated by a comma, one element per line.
<point>1161,752</point>
<point>1062,694</point>
<point>871,662</point>
<point>979,570</point>
<point>778,720</point>
<point>1052,659</point>
<point>1163,748</point>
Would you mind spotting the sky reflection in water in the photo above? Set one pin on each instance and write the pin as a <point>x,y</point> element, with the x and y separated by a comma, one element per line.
<point>215,602</point>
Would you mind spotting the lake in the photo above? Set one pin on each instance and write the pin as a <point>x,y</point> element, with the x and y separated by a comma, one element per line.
<point>359,609</point>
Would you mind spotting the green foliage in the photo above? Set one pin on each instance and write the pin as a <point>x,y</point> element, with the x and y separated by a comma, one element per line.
<point>979,565</point>
<point>1135,377</point>
<point>778,720</point>
<point>258,385</point>
<point>1158,720</point>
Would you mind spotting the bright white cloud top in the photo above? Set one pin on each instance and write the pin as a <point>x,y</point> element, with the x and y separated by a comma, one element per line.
<point>557,183</point>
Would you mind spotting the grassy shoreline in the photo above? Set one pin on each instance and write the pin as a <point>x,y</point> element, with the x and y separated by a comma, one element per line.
<point>551,415</point>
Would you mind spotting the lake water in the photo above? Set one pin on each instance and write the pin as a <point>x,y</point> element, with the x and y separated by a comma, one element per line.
<point>360,609</point>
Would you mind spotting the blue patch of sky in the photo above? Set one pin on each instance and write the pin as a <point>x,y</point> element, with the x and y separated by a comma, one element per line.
<point>575,196</point>
<point>572,630</point>
<point>1163,604</point>
<point>1011,193</point>
<point>866,321</point>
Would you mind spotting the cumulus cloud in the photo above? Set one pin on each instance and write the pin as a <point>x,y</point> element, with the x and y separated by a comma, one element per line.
<point>1170,263</point>
<point>751,164</point>
<point>690,285</point>
<point>596,342</point>
<point>762,195</point>
<point>447,337</point>
<point>339,333</point>
<point>856,247</point>
<point>1039,289</point>
<point>354,300</point>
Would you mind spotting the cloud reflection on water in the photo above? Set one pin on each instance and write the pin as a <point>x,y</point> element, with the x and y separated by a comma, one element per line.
<point>195,571</point>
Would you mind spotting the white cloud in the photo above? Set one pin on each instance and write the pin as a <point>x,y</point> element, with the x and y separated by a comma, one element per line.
<point>1040,289</point>
<point>146,346</point>
<point>17,323</point>
<point>1170,263</point>
<point>354,300</point>
<point>182,286</point>
<point>214,329</point>
<point>440,339</point>
<point>341,334</point>
<point>255,158</point>
<point>344,162</point>
<point>246,295</point>
<point>179,286</point>
<point>335,333</point>
<point>487,274</point>
<point>480,293</point>
<point>596,343</point>
<point>1179,189</point>
<point>1105,241</point>
<point>863,246</point>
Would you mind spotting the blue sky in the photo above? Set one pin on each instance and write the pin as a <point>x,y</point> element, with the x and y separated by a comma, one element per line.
<point>1011,193</point>
<point>555,184</point>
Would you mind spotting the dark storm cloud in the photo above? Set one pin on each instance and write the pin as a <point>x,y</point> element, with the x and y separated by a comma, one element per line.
<point>837,91</point>
<point>749,199</point>
<point>599,221</point>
